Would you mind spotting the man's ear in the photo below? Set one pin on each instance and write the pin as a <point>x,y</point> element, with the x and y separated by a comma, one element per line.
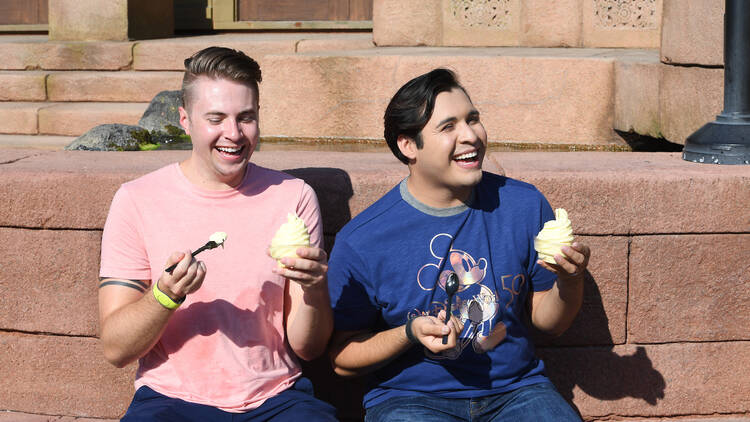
<point>407,146</point>
<point>184,120</point>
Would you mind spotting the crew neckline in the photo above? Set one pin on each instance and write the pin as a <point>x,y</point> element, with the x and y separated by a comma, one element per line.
<point>429,210</point>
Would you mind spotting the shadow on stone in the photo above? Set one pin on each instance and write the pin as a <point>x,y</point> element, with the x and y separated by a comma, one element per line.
<point>595,367</point>
<point>645,143</point>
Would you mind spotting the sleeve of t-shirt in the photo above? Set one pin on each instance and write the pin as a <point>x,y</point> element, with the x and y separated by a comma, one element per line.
<point>350,298</point>
<point>308,210</point>
<point>541,278</point>
<point>123,252</point>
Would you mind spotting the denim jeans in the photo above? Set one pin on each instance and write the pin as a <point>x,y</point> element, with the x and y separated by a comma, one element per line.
<point>533,403</point>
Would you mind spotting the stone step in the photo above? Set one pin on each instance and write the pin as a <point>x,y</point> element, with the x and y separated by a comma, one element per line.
<point>37,142</point>
<point>125,86</point>
<point>74,119</point>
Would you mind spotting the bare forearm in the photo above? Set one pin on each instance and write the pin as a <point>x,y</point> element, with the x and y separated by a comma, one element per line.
<point>310,326</point>
<point>131,331</point>
<point>366,352</point>
<point>558,308</point>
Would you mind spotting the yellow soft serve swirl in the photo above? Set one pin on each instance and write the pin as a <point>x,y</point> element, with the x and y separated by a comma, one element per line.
<point>290,236</point>
<point>554,235</point>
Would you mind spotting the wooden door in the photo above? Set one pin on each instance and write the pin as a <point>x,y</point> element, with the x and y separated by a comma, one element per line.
<point>28,14</point>
<point>304,10</point>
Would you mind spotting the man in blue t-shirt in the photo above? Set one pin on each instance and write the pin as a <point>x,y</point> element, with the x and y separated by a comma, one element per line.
<point>450,238</point>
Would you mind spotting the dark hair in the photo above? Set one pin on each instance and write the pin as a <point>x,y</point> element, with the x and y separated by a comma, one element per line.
<point>411,107</point>
<point>219,62</point>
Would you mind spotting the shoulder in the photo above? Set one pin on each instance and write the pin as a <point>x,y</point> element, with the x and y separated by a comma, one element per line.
<point>373,216</point>
<point>155,180</point>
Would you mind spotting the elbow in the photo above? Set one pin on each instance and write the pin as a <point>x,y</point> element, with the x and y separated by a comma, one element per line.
<point>117,359</point>
<point>308,353</point>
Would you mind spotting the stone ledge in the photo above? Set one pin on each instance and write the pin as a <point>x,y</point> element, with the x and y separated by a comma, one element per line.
<point>606,193</point>
<point>122,86</point>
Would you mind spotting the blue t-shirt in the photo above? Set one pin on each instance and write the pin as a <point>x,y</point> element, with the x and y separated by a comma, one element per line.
<point>390,263</point>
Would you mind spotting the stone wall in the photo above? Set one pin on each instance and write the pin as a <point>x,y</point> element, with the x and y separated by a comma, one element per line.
<point>662,333</point>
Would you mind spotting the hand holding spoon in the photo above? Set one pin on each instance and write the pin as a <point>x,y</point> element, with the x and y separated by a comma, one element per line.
<point>451,287</point>
<point>217,239</point>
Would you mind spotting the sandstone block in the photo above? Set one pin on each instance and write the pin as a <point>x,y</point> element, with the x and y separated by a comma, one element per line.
<point>405,23</point>
<point>689,288</point>
<point>338,43</point>
<point>23,86</point>
<point>74,119</point>
<point>57,375</point>
<point>601,320</point>
<point>666,380</point>
<point>110,86</point>
<point>32,52</point>
<point>116,20</point>
<point>637,96</point>
<point>48,280</point>
<point>619,193</point>
<point>693,32</point>
<point>170,54</point>
<point>29,417</point>
<point>558,97</point>
<point>551,24</point>
<point>689,98</point>
<point>36,142</point>
<point>622,24</point>
<point>20,117</point>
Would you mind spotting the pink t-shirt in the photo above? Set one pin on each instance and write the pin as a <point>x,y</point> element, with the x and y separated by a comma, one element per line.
<point>225,346</point>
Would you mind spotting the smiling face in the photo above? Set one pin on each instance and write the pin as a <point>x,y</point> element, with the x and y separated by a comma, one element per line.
<point>447,167</point>
<point>222,121</point>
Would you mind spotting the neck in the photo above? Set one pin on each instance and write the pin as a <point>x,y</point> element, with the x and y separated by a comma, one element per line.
<point>210,180</point>
<point>437,196</point>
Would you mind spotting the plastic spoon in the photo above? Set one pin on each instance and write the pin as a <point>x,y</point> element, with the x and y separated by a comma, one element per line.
<point>217,240</point>
<point>451,287</point>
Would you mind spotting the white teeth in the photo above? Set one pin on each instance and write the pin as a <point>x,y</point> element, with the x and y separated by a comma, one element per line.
<point>466,156</point>
<point>228,150</point>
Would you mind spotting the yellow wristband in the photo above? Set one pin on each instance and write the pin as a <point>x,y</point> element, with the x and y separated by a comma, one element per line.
<point>165,300</point>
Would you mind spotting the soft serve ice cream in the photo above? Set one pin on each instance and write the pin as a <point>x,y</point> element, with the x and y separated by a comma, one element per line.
<point>218,238</point>
<point>554,235</point>
<point>290,236</point>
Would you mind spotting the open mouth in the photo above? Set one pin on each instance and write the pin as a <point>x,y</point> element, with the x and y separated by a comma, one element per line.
<point>230,151</point>
<point>468,157</point>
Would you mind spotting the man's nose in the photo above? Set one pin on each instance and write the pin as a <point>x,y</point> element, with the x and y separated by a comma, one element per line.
<point>468,133</point>
<point>232,129</point>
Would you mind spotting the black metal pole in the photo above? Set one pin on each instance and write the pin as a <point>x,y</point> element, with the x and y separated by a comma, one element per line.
<point>727,139</point>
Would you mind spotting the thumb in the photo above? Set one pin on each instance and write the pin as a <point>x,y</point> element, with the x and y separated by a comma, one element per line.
<point>435,330</point>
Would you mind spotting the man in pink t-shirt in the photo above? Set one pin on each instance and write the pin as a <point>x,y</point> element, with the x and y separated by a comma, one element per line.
<point>216,338</point>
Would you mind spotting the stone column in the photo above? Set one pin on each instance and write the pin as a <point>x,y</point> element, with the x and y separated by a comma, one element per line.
<point>110,20</point>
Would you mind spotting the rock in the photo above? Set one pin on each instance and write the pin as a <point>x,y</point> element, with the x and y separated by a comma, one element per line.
<point>162,115</point>
<point>113,137</point>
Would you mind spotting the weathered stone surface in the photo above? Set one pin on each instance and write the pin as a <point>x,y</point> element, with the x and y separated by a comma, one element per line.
<point>562,96</point>
<point>162,114</point>
<point>689,288</point>
<point>689,98</point>
<point>57,375</point>
<point>112,137</point>
<point>637,96</point>
<point>48,281</point>
<point>23,86</point>
<point>693,32</point>
<point>20,117</point>
<point>407,23</point>
<point>29,417</point>
<point>478,24</point>
<point>39,142</point>
<point>601,320</point>
<point>620,193</point>
<point>116,20</point>
<point>624,24</point>
<point>653,381</point>
<point>74,119</point>
<point>551,24</point>
<point>170,54</point>
<point>353,41</point>
<point>123,86</point>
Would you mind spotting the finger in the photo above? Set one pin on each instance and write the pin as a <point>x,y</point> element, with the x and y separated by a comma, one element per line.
<point>312,253</point>
<point>434,330</point>
<point>573,255</point>
<point>441,316</point>
<point>197,282</point>
<point>565,264</point>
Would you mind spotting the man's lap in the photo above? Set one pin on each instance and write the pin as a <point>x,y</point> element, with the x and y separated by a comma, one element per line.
<point>294,404</point>
<point>537,402</point>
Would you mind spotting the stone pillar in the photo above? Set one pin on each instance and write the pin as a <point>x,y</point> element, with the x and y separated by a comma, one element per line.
<point>110,20</point>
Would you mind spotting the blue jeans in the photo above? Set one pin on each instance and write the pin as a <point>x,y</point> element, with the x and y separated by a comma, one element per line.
<point>533,403</point>
<point>292,405</point>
